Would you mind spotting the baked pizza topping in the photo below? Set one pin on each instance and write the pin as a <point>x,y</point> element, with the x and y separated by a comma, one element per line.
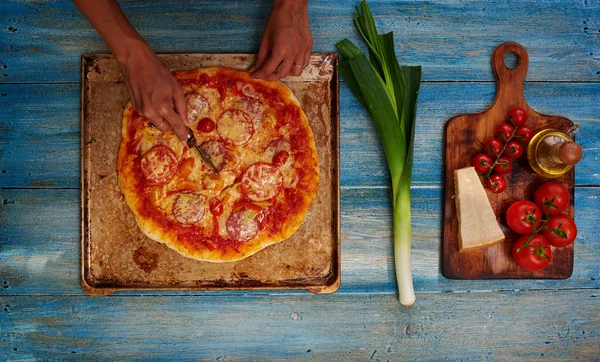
<point>159,164</point>
<point>235,126</point>
<point>258,138</point>
<point>261,182</point>
<point>188,209</point>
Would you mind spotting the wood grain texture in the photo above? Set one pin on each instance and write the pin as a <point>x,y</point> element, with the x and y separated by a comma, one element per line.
<point>41,41</point>
<point>40,245</point>
<point>464,138</point>
<point>44,314</point>
<point>452,326</point>
<point>50,115</point>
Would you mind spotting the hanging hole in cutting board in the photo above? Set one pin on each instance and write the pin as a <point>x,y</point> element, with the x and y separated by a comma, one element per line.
<point>511,60</point>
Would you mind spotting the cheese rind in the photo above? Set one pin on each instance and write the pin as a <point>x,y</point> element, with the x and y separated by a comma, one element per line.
<point>477,224</point>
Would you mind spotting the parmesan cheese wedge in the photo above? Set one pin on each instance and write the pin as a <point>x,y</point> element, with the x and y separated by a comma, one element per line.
<point>477,225</point>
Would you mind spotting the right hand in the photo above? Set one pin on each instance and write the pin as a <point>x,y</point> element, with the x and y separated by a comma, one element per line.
<point>155,93</point>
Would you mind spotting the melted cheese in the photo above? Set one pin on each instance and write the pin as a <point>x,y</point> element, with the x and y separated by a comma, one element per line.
<point>477,225</point>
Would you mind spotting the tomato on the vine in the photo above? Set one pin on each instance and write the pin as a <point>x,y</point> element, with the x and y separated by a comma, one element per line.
<point>523,217</point>
<point>560,230</point>
<point>504,165</point>
<point>518,116</point>
<point>523,134</point>
<point>496,183</point>
<point>482,163</point>
<point>552,197</point>
<point>534,256</point>
<point>504,131</point>
<point>513,150</point>
<point>493,147</point>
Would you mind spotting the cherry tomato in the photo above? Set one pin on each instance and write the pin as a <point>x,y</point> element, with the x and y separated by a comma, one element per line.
<point>504,165</point>
<point>280,158</point>
<point>522,216</point>
<point>560,230</point>
<point>482,163</point>
<point>535,256</point>
<point>496,183</point>
<point>216,206</point>
<point>513,149</point>
<point>493,147</point>
<point>518,116</point>
<point>523,134</point>
<point>206,125</point>
<point>504,131</point>
<point>552,198</point>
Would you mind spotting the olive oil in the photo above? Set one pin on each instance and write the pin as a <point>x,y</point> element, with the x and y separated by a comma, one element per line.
<point>552,153</point>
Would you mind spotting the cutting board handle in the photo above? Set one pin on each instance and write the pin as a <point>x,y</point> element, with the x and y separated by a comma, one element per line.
<point>510,81</point>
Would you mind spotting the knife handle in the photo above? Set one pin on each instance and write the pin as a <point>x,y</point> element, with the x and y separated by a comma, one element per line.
<point>191,140</point>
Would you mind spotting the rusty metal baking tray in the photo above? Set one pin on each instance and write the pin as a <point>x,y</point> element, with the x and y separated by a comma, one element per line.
<point>117,256</point>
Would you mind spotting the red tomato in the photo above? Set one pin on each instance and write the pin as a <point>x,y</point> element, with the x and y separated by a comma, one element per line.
<point>504,165</point>
<point>216,206</point>
<point>513,149</point>
<point>206,125</point>
<point>553,196</point>
<point>493,147</point>
<point>280,158</point>
<point>504,131</point>
<point>522,216</point>
<point>482,163</point>
<point>523,134</point>
<point>535,256</point>
<point>518,116</point>
<point>496,183</point>
<point>560,230</point>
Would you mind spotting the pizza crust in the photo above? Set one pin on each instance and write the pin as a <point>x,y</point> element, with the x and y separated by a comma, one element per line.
<point>198,241</point>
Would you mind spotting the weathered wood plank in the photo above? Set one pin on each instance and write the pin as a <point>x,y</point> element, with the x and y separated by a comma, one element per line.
<point>464,326</point>
<point>41,41</point>
<point>39,131</point>
<point>41,229</point>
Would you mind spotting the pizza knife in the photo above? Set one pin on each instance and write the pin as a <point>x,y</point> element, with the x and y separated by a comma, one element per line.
<point>191,143</point>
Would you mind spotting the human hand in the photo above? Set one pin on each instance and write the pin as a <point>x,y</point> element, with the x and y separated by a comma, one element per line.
<point>154,92</point>
<point>286,43</point>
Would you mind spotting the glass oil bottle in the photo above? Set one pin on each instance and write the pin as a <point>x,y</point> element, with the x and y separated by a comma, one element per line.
<point>552,153</point>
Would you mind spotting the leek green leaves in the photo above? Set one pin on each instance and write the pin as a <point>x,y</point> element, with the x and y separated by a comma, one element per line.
<point>389,93</point>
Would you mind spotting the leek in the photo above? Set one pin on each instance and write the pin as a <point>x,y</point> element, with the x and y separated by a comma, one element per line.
<point>389,93</point>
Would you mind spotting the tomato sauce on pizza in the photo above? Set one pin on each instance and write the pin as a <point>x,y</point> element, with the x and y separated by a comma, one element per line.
<point>258,138</point>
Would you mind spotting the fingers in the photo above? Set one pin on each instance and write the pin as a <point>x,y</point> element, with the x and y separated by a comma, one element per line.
<point>298,65</point>
<point>268,68</point>
<point>161,124</point>
<point>262,55</point>
<point>174,120</point>
<point>181,105</point>
<point>283,70</point>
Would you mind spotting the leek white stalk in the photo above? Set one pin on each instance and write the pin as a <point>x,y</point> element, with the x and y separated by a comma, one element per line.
<point>389,93</point>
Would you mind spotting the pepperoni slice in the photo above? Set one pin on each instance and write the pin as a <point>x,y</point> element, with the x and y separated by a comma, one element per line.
<point>261,181</point>
<point>159,164</point>
<point>219,155</point>
<point>188,209</point>
<point>235,126</point>
<point>253,107</point>
<point>197,106</point>
<point>242,224</point>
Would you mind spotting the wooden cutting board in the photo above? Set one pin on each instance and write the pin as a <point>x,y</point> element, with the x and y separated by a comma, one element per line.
<point>464,138</point>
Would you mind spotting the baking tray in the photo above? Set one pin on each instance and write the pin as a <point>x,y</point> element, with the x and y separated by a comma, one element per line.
<point>116,255</point>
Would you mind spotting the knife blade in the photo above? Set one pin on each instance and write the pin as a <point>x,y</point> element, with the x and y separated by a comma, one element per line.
<point>191,143</point>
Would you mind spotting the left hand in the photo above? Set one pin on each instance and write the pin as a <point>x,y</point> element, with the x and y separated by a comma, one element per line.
<point>286,44</point>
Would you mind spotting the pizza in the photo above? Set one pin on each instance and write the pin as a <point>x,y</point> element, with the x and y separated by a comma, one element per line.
<point>261,144</point>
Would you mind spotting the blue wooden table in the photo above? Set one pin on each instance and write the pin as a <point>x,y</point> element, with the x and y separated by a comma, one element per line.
<point>45,315</point>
